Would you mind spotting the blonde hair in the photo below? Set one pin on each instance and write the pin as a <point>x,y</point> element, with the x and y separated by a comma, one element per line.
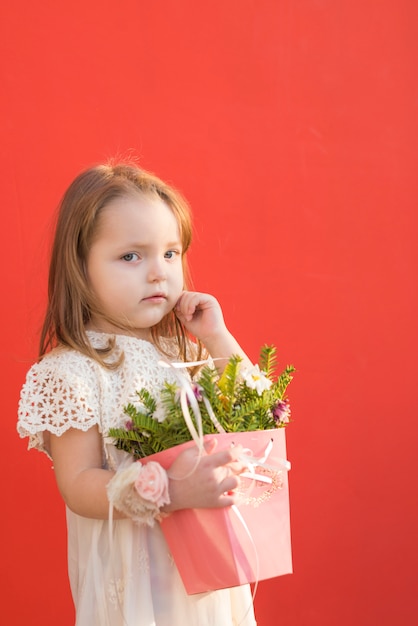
<point>71,303</point>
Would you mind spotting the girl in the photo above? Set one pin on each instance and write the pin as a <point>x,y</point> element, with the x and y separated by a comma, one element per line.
<point>117,305</point>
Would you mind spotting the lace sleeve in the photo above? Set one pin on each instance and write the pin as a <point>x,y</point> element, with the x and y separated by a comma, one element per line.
<point>60,392</point>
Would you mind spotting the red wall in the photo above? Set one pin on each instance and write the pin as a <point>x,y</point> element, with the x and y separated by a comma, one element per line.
<point>292,129</point>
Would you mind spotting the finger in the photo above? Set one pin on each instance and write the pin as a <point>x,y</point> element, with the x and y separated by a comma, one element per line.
<point>223,457</point>
<point>228,495</point>
<point>191,303</point>
<point>236,449</point>
<point>210,445</point>
<point>188,301</point>
<point>229,483</point>
<point>227,499</point>
<point>182,304</point>
<point>238,467</point>
<point>228,455</point>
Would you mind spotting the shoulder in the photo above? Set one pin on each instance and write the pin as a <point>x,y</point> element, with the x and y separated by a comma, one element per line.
<point>63,363</point>
<point>61,373</point>
<point>61,391</point>
<point>63,382</point>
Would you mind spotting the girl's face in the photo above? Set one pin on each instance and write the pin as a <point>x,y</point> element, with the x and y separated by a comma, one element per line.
<point>134,265</point>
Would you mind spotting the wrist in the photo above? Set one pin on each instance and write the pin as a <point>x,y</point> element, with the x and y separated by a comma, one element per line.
<point>222,346</point>
<point>140,491</point>
<point>219,342</point>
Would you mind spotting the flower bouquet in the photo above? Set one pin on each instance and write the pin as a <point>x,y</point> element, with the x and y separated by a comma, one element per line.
<point>219,548</point>
<point>236,401</point>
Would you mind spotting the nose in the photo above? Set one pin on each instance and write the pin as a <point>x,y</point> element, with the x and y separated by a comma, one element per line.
<point>156,270</point>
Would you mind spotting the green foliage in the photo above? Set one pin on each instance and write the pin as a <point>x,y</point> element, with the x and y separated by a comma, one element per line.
<point>241,401</point>
<point>268,360</point>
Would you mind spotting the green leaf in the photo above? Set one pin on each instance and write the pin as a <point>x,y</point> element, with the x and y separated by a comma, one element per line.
<point>267,362</point>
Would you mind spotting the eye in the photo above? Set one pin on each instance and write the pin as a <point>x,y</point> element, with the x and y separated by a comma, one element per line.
<point>171,254</point>
<point>131,256</point>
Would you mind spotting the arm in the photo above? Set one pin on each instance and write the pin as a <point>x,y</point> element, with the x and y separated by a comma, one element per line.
<point>82,481</point>
<point>202,315</point>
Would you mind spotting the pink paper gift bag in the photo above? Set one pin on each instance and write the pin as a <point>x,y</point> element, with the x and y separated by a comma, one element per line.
<point>220,548</point>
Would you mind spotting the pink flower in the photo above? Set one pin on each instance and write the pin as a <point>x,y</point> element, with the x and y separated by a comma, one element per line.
<point>281,412</point>
<point>152,484</point>
<point>197,391</point>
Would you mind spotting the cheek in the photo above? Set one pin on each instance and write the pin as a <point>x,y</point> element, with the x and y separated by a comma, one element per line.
<point>95,276</point>
<point>180,277</point>
<point>102,281</point>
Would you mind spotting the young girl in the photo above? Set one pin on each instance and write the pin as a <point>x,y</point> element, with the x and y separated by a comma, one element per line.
<point>117,306</point>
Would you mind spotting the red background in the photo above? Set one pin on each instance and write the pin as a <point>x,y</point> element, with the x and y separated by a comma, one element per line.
<point>291,126</point>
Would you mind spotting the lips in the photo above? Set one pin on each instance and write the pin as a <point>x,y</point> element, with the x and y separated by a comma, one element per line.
<point>156,297</point>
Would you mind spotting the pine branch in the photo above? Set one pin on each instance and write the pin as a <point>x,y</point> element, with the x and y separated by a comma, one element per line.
<point>268,360</point>
<point>284,380</point>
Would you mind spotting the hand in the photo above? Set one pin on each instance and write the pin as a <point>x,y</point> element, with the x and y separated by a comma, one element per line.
<point>207,482</point>
<point>201,314</point>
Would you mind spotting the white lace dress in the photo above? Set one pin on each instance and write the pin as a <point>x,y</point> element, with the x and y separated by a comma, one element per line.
<point>134,581</point>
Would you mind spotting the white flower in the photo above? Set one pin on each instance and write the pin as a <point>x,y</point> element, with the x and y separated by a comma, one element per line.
<point>137,403</point>
<point>159,413</point>
<point>256,379</point>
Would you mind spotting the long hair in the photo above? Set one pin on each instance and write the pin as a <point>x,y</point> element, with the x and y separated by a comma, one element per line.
<point>71,303</point>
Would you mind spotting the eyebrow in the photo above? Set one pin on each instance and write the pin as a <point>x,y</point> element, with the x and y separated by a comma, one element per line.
<point>138,244</point>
